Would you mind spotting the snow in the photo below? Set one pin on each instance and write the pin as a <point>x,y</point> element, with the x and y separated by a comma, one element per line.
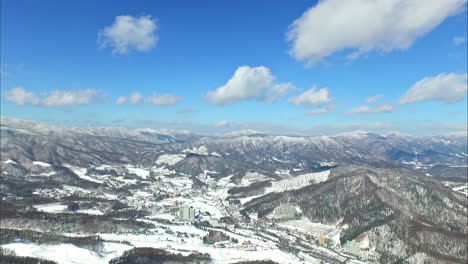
<point>282,172</point>
<point>202,150</point>
<point>61,208</point>
<point>163,216</point>
<point>326,163</point>
<point>164,131</point>
<point>51,208</point>
<point>68,253</point>
<point>170,159</point>
<point>142,173</point>
<point>205,206</point>
<point>290,140</point>
<point>251,177</point>
<point>283,161</point>
<point>354,134</point>
<point>121,178</point>
<point>305,226</point>
<point>298,181</point>
<point>40,163</point>
<point>162,171</point>
<point>461,189</point>
<point>215,154</point>
<point>226,255</point>
<point>10,162</point>
<point>81,172</point>
<point>248,199</point>
<point>46,174</point>
<point>206,172</point>
<point>90,211</point>
<point>245,132</point>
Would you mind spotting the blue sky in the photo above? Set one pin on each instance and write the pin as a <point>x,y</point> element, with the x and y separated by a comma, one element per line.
<point>61,64</point>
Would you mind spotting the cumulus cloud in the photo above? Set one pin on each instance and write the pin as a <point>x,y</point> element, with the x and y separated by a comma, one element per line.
<point>129,33</point>
<point>373,99</point>
<point>322,110</point>
<point>187,111</point>
<point>21,96</point>
<point>221,124</point>
<point>249,83</point>
<point>311,97</point>
<point>386,108</point>
<point>135,98</point>
<point>457,41</point>
<point>62,98</point>
<point>159,100</point>
<point>121,100</point>
<point>447,88</point>
<point>362,26</point>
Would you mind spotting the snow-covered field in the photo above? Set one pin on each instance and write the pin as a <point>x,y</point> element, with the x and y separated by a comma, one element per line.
<point>142,173</point>
<point>81,172</point>
<point>61,208</point>
<point>68,253</point>
<point>40,163</point>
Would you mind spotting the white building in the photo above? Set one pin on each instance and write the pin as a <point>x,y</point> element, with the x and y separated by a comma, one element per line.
<point>186,214</point>
<point>284,211</point>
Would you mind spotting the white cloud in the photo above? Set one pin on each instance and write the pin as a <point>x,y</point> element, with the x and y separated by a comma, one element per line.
<point>21,96</point>
<point>322,110</point>
<point>136,98</point>
<point>249,83</point>
<point>129,33</point>
<point>121,100</point>
<point>446,88</point>
<point>62,98</point>
<point>373,99</point>
<point>311,97</point>
<point>371,110</point>
<point>165,99</point>
<point>362,26</point>
<point>459,40</point>
<point>159,100</point>
<point>221,124</point>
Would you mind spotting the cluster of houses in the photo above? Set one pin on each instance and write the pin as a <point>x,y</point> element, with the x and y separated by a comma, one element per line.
<point>246,245</point>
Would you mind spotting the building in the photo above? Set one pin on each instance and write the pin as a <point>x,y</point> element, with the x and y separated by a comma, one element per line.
<point>352,248</point>
<point>357,249</point>
<point>284,211</point>
<point>308,258</point>
<point>323,240</point>
<point>186,214</point>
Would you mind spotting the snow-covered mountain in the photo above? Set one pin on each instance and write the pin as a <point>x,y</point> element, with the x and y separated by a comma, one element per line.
<point>26,141</point>
<point>403,194</point>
